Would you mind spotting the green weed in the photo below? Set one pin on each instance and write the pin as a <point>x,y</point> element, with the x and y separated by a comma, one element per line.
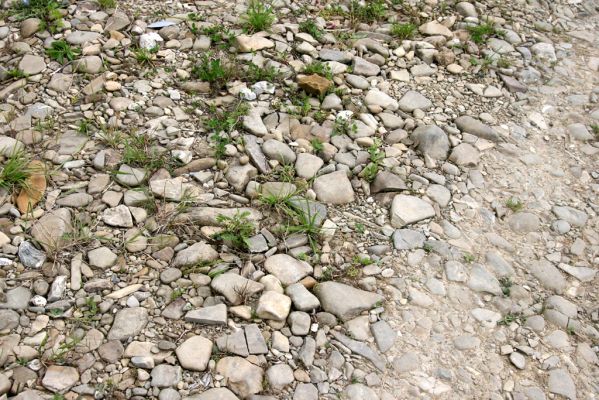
<point>211,69</point>
<point>62,52</point>
<point>107,4</point>
<point>310,27</point>
<point>514,204</point>
<point>317,145</point>
<point>255,73</point>
<point>319,68</point>
<point>236,229</point>
<point>48,11</point>
<point>479,34</point>
<point>16,73</point>
<point>259,16</point>
<point>15,170</point>
<point>403,31</point>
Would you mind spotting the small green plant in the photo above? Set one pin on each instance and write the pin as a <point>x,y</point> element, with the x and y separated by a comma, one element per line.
<point>16,73</point>
<point>59,355</point>
<point>595,129</point>
<point>107,4</point>
<point>139,151</point>
<point>62,52</point>
<point>145,57</point>
<point>514,204</point>
<point>469,258</point>
<point>211,69</point>
<point>259,16</point>
<point>302,105</point>
<point>84,127</point>
<point>22,361</point>
<point>427,247</point>
<point>352,272</point>
<point>371,11</point>
<point>58,396</point>
<point>363,260</point>
<point>310,27</point>
<point>512,317</point>
<point>175,294</point>
<point>344,127</point>
<point>48,11</point>
<point>222,123</point>
<point>376,156</point>
<point>236,229</point>
<point>506,285</point>
<point>320,116</point>
<point>255,73</point>
<point>15,170</point>
<point>317,145</point>
<point>360,228</point>
<point>480,33</point>
<point>303,220</point>
<point>403,31</point>
<point>504,62</point>
<point>319,68</point>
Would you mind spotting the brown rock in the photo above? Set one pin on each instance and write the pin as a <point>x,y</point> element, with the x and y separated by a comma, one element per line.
<point>34,187</point>
<point>314,84</point>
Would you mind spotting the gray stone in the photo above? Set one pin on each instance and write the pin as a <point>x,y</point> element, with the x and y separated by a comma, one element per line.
<point>334,188</point>
<point>549,276</point>
<point>287,269</point>
<point>9,320</point>
<point>231,285</point>
<point>127,323</point>
<point>273,305</point>
<point>571,215</point>
<point>345,301</point>
<point>279,376</point>
<point>386,181</point>
<point>375,97</point>
<point>299,323</point>
<point>255,341</point>
<point>407,239</point>
<point>482,281</point>
<point>210,315</point>
<point>465,154</point>
<point>431,141</point>
<point>413,100</point>
<point>164,376</point>
<point>409,361</point>
<point>384,335</point>
<point>301,297</point>
<point>305,391</point>
<point>194,353</point>
<point>560,382</point>
<point>102,257</point>
<point>475,127</point>
<point>524,222</point>
<point>75,200</point>
<point>194,254</point>
<point>119,216</point>
<point>365,68</point>
<point>30,256</point>
<point>81,37</point>
<point>242,377</point>
<point>406,210</point>
<point>59,379</point>
<point>279,151</point>
<point>253,150</point>
<point>361,349</point>
<point>51,229</point>
<point>16,299</point>
<point>307,165</point>
<point>130,176</point>
<point>214,394</point>
<point>31,64</point>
